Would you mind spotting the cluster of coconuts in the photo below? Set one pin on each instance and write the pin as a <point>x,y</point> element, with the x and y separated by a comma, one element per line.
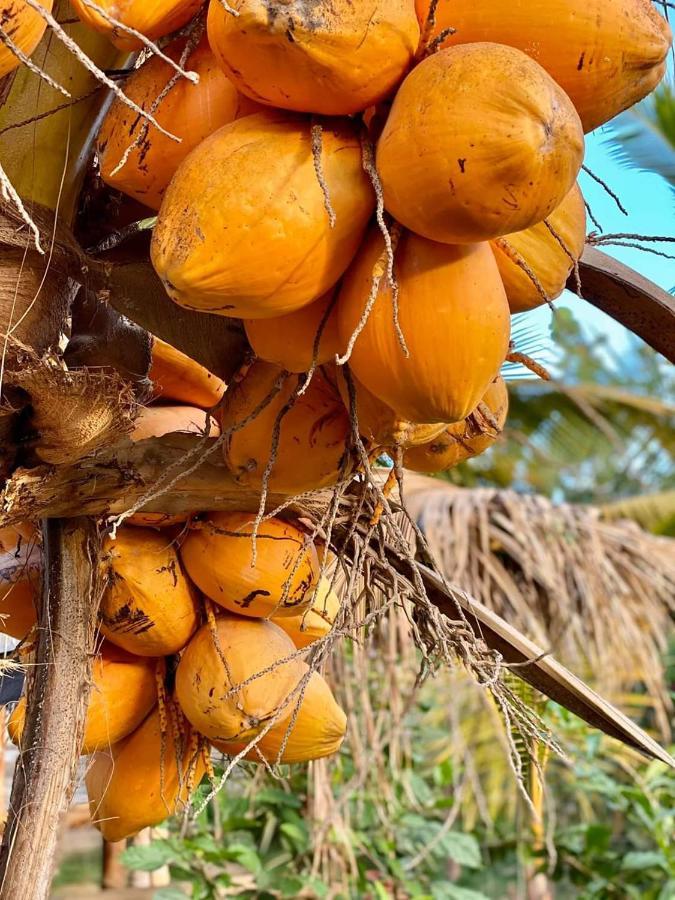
<point>197,647</point>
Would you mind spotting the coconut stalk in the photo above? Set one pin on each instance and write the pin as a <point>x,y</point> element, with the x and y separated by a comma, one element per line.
<point>58,694</point>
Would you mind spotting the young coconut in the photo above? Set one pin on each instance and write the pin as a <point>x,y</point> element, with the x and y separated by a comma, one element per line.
<point>220,657</point>
<point>217,555</point>
<point>453,314</point>
<point>536,263</point>
<point>178,378</point>
<point>149,606</point>
<point>214,249</point>
<point>466,439</point>
<point>20,584</point>
<point>144,779</point>
<point>290,341</point>
<point>152,18</point>
<point>334,58</point>
<point>312,435</point>
<point>122,694</point>
<point>318,731</point>
<point>605,54</point>
<point>317,621</point>
<point>189,111</point>
<point>24,27</point>
<point>378,424</point>
<point>499,158</point>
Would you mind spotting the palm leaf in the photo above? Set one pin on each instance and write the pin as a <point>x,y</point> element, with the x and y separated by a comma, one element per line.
<point>654,512</point>
<point>644,137</point>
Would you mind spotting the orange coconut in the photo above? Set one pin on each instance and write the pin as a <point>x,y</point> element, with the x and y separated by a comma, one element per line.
<point>248,647</point>
<point>217,555</point>
<point>455,318</point>
<point>289,341</point>
<point>189,111</point>
<point>123,692</point>
<point>379,425</point>
<point>24,27</point>
<point>13,536</point>
<point>243,230</point>
<point>20,584</point>
<point>318,731</point>
<point>152,18</point>
<point>176,377</point>
<point>499,158</point>
<point>149,607</point>
<point>312,436</point>
<point>334,58</point>
<point>463,440</point>
<point>141,782</point>
<point>605,54</point>
<point>548,250</point>
<point>315,622</point>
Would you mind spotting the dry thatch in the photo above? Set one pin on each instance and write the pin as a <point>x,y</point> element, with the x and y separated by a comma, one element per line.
<point>598,594</point>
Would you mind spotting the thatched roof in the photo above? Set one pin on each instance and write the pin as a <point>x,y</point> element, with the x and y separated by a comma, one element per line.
<point>598,594</point>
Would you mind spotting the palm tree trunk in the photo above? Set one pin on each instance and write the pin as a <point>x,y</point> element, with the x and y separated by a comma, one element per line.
<point>58,693</point>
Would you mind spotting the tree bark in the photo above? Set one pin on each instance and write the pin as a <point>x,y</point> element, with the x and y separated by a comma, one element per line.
<point>58,692</point>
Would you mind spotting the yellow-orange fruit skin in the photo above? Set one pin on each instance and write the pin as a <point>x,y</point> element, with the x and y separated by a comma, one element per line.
<point>605,54</point>
<point>156,421</point>
<point>139,783</point>
<point>312,438</point>
<point>178,378</point>
<point>499,158</point>
<point>203,685</point>
<point>455,319</point>
<point>315,622</point>
<point>217,555</point>
<point>243,230</point>
<point>190,111</point>
<point>122,694</point>
<point>466,439</point>
<point>543,254</point>
<point>318,730</point>
<point>13,536</point>
<point>334,58</point>
<point>153,18</point>
<point>149,607</point>
<point>378,423</point>
<point>20,584</point>
<point>24,26</point>
<point>288,341</point>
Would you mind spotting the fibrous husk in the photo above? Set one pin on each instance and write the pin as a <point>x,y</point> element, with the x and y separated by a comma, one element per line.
<point>217,555</point>
<point>216,663</point>
<point>123,692</point>
<point>465,439</point>
<point>317,730</point>
<point>313,431</point>
<point>149,606</point>
<point>143,779</point>
<point>334,58</point>
<point>605,54</point>
<point>20,585</point>
<point>455,172</point>
<point>73,413</point>
<point>214,250</point>
<point>315,622</point>
<point>190,111</point>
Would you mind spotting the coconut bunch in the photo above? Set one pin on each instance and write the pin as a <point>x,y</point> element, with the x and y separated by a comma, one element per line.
<point>198,649</point>
<point>380,185</point>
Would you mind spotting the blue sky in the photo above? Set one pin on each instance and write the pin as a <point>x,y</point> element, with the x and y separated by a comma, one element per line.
<point>651,207</point>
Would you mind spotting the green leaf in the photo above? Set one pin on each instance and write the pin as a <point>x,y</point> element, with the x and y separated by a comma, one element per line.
<point>445,890</point>
<point>150,858</point>
<point>381,891</point>
<point>297,834</point>
<point>246,856</point>
<point>169,893</point>
<point>462,849</point>
<point>643,859</point>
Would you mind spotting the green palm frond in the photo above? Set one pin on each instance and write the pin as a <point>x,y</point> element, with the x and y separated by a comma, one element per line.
<point>645,135</point>
<point>654,512</point>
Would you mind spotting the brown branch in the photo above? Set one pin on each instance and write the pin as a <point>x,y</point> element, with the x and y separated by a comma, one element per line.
<point>58,693</point>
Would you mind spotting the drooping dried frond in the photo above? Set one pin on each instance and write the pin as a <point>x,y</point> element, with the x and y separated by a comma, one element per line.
<point>598,594</point>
